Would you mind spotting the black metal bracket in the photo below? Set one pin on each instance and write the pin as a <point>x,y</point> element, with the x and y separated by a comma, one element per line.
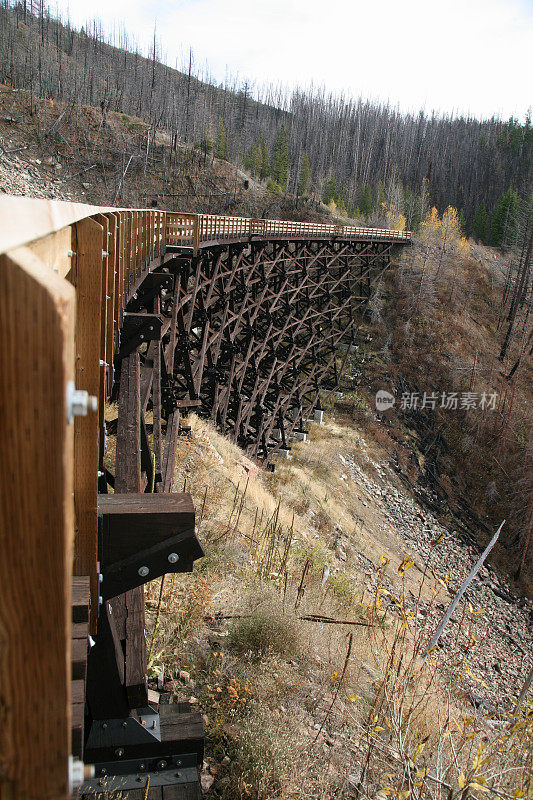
<point>137,329</point>
<point>139,776</point>
<point>142,727</point>
<point>151,286</point>
<point>175,554</point>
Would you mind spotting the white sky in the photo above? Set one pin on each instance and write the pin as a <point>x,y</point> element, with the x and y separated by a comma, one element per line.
<point>448,55</point>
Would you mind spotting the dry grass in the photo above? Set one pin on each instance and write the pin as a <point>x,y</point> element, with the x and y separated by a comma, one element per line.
<point>295,717</point>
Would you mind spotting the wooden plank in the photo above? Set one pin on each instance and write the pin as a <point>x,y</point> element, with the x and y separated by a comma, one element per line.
<point>87,278</point>
<point>80,630</point>
<point>47,217</point>
<point>133,522</point>
<point>81,598</point>
<point>130,617</point>
<point>171,440</point>
<point>53,250</point>
<point>37,310</point>
<point>180,727</point>
<point>119,277</point>
<point>154,793</point>
<point>128,461</point>
<point>135,656</point>
<point>184,791</point>
<point>78,713</point>
<point>78,691</point>
<point>79,659</point>
<point>105,310</point>
<point>112,288</point>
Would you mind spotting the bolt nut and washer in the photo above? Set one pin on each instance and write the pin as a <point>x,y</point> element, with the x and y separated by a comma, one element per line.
<point>79,402</point>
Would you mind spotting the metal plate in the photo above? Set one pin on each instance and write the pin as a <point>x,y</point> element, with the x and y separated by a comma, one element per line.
<point>115,783</point>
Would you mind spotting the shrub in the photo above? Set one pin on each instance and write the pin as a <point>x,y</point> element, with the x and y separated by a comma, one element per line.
<point>274,187</point>
<point>265,630</point>
<point>342,587</point>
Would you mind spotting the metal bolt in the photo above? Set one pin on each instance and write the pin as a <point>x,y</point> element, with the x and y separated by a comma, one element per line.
<point>161,764</point>
<point>177,774</point>
<point>141,336</point>
<point>103,771</point>
<point>79,402</point>
<point>142,766</point>
<point>143,571</point>
<point>179,762</point>
<point>151,328</point>
<point>104,254</point>
<point>119,752</point>
<point>71,253</point>
<point>104,725</point>
<point>173,557</point>
<point>124,724</point>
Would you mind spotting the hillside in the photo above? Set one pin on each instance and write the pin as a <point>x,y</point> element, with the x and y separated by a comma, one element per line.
<point>52,150</point>
<point>371,152</point>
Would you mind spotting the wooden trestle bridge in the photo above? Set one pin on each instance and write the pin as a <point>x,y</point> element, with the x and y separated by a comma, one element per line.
<point>239,320</point>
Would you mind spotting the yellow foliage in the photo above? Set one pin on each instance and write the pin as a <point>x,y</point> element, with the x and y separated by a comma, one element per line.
<point>445,231</point>
<point>395,219</point>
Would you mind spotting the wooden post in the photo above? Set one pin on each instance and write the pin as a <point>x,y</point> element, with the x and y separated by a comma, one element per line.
<point>87,278</point>
<point>129,608</point>
<point>37,310</point>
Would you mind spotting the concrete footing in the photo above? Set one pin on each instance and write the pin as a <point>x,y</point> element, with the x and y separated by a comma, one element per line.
<point>299,436</point>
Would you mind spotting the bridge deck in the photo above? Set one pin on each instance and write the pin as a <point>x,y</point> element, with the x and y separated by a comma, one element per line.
<point>26,220</point>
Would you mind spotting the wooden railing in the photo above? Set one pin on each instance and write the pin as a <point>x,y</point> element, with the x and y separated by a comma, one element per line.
<point>196,229</point>
<point>66,273</point>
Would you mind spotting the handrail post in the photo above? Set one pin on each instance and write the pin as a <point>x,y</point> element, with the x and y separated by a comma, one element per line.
<point>196,234</point>
<point>37,307</point>
<point>164,238</point>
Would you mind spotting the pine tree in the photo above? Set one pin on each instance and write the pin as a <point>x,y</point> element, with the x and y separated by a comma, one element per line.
<point>505,219</point>
<point>380,196</point>
<point>222,144</point>
<point>280,159</point>
<point>252,160</point>
<point>331,191</point>
<point>304,179</point>
<point>480,223</point>
<point>343,202</point>
<point>265,168</point>
<point>365,203</point>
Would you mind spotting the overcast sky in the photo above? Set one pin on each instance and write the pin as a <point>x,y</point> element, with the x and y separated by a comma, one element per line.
<point>452,55</point>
